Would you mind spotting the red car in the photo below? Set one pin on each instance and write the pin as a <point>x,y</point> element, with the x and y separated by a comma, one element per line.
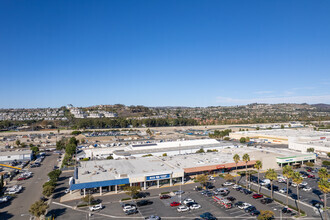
<point>311,176</point>
<point>164,197</point>
<point>21,178</point>
<point>257,196</point>
<point>175,204</point>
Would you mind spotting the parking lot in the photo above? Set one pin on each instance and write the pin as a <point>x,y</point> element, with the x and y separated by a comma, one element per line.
<point>113,207</point>
<point>32,191</point>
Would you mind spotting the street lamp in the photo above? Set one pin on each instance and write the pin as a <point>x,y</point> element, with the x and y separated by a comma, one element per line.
<point>280,213</point>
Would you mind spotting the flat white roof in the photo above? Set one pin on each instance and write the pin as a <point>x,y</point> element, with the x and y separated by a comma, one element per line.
<point>286,133</point>
<point>10,153</point>
<point>100,170</point>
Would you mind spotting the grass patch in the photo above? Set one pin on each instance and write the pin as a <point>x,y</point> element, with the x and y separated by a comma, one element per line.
<point>163,193</point>
<point>221,175</point>
<point>82,205</point>
<point>125,199</point>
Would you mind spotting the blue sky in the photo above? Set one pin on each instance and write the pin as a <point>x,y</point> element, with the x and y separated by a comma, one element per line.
<point>163,53</point>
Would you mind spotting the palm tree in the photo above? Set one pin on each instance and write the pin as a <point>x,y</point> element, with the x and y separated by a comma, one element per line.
<point>246,159</point>
<point>236,159</point>
<point>324,186</point>
<point>297,179</point>
<point>258,166</point>
<point>287,172</point>
<point>271,175</point>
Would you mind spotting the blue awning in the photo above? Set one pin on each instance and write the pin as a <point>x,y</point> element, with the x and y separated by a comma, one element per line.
<point>99,184</point>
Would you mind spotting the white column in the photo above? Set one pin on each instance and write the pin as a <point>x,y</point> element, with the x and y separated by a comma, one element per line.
<point>100,190</point>
<point>84,192</point>
<point>145,185</point>
<point>157,183</point>
<point>171,183</point>
<point>130,184</point>
<point>182,180</point>
<point>116,188</point>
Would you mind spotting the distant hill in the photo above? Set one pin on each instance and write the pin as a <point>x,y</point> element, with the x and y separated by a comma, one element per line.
<point>322,106</point>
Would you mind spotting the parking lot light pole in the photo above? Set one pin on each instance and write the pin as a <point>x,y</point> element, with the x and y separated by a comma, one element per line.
<point>280,213</point>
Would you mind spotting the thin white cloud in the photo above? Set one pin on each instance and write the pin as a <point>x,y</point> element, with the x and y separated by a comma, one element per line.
<point>263,92</point>
<point>274,100</point>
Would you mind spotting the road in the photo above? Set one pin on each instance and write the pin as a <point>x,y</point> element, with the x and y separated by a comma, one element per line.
<point>32,191</point>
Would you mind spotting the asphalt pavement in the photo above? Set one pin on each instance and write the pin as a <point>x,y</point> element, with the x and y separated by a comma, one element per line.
<point>32,191</point>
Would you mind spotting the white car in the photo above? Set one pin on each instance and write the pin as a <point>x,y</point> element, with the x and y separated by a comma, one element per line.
<point>235,186</point>
<point>66,191</point>
<point>294,184</point>
<point>96,207</point>
<point>129,207</point>
<point>211,177</point>
<point>228,184</point>
<point>307,189</point>
<point>195,206</point>
<point>187,201</point>
<point>245,205</point>
<point>304,183</point>
<point>182,208</point>
<point>4,199</point>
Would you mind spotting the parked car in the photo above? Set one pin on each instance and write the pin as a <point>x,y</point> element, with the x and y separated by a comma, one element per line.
<point>311,176</point>
<point>235,186</point>
<point>179,192</point>
<point>21,178</point>
<point>257,196</point>
<point>96,207</point>
<point>131,211</point>
<point>266,200</point>
<point>175,204</point>
<point>188,200</point>
<point>284,190</point>
<point>143,202</point>
<point>246,191</point>
<point>244,205</point>
<point>182,208</point>
<point>307,189</point>
<point>255,212</point>
<point>239,203</point>
<point>317,204</point>
<point>152,217</point>
<point>228,183</point>
<point>128,206</point>
<point>287,211</point>
<point>164,197</point>
<point>195,206</point>
<point>250,209</point>
<point>5,199</point>
<point>230,198</point>
<point>207,216</point>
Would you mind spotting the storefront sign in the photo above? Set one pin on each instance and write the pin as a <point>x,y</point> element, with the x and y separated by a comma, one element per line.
<point>158,177</point>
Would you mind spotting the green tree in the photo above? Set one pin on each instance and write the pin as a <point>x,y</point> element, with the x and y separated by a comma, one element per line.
<point>88,199</point>
<point>242,140</point>
<point>246,159</point>
<point>310,150</point>
<point>60,145</point>
<point>265,215</point>
<point>164,154</point>
<point>109,157</point>
<point>328,154</point>
<point>236,159</point>
<point>38,208</point>
<point>74,141</point>
<point>202,179</point>
<point>54,175</point>
<point>297,179</point>
<point>18,143</point>
<point>200,151</point>
<point>309,164</point>
<point>48,190</point>
<point>271,175</point>
<point>258,166</point>
<point>257,128</point>
<point>70,149</point>
<point>324,185</point>
<point>287,172</point>
<point>35,150</point>
<point>149,132</point>
<point>132,191</point>
<point>282,126</point>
